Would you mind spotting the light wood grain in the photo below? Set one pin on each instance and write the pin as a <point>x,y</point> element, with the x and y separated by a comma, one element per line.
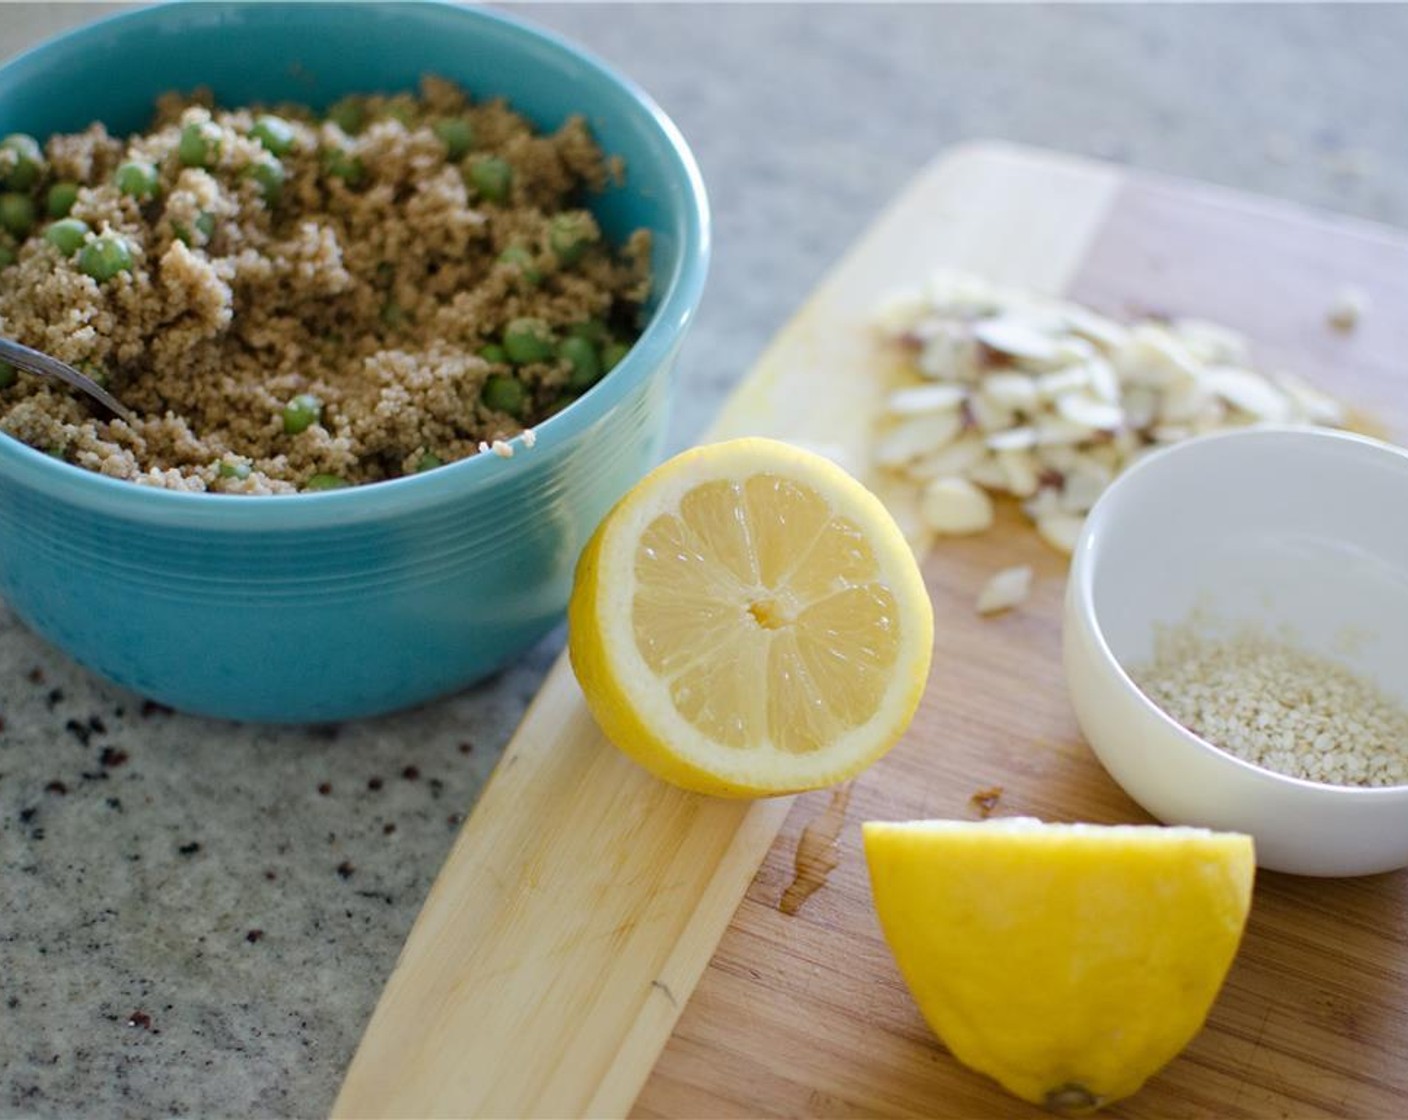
<point>583,899</point>
<point>807,1015</point>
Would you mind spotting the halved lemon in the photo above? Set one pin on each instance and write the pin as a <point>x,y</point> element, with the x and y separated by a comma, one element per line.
<point>749,621</point>
<point>1068,962</point>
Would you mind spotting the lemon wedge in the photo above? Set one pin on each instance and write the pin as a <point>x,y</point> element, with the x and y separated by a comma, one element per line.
<point>749,621</point>
<point>1068,962</point>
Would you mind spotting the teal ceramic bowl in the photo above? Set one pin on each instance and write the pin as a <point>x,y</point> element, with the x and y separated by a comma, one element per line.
<point>319,607</point>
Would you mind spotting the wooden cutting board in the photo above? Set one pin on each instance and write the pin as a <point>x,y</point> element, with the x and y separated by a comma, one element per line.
<point>589,916</point>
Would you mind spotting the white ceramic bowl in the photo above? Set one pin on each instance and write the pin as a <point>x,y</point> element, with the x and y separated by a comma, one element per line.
<point>1296,526</point>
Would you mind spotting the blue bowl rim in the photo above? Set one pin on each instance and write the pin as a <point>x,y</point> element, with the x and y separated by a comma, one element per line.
<point>650,354</point>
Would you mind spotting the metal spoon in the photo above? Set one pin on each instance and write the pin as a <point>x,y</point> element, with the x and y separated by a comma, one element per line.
<point>34,361</point>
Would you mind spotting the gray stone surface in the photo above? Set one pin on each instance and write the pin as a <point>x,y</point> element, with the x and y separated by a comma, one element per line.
<point>129,983</point>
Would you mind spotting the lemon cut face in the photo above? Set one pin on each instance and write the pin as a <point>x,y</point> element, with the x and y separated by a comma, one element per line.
<point>750,621</point>
<point>1068,962</point>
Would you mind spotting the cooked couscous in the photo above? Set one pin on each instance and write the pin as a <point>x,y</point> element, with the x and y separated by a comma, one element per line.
<point>293,302</point>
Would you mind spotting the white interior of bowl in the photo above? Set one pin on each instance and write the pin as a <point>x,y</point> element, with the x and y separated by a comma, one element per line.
<point>1300,530</point>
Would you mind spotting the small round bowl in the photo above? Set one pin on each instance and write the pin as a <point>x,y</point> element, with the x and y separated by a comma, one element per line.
<point>328,606</point>
<point>1267,526</point>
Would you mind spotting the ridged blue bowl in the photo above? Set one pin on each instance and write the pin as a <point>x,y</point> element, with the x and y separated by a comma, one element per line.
<point>328,606</point>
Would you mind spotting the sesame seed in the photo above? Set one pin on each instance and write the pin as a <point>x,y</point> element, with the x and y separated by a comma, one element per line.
<point>1268,702</point>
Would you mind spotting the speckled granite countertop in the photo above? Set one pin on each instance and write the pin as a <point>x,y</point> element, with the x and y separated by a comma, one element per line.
<point>197,917</point>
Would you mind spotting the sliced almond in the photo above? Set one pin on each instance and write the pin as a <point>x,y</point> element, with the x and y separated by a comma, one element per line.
<point>1061,531</point>
<point>1015,337</point>
<point>899,310</point>
<point>1312,406</point>
<point>987,472</point>
<point>1013,439</point>
<point>1020,468</point>
<point>1009,390</point>
<point>955,507</point>
<point>1347,308</point>
<point>1141,405</point>
<point>1108,455</point>
<point>1056,430</point>
<point>1044,503</point>
<point>1071,350</point>
<point>990,417</point>
<point>1089,411</point>
<point>1049,386</point>
<point>949,354</point>
<point>1249,391</point>
<point>1083,486</point>
<point>1170,433</point>
<point>1006,589</point>
<point>941,397</point>
<point>1058,457</point>
<point>1105,333</point>
<point>915,436</point>
<point>1212,342</point>
<point>1152,356</point>
<point>955,459</point>
<point>1104,381</point>
<point>1183,403</point>
<point>962,293</point>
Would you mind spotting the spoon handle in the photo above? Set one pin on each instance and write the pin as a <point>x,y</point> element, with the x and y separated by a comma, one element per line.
<point>34,361</point>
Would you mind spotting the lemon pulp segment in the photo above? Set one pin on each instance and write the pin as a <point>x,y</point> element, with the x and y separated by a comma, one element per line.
<point>762,612</point>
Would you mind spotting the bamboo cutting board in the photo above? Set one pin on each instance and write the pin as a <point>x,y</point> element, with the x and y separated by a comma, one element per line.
<point>582,907</point>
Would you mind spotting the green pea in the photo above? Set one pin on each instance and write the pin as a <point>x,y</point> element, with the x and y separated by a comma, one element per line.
<point>274,133</point>
<point>138,180</point>
<point>457,134</point>
<point>520,257</point>
<point>494,354</point>
<point>337,164</point>
<point>570,234</point>
<point>205,227</point>
<point>67,235</point>
<point>527,340</point>
<point>349,114</point>
<point>490,176</point>
<point>60,199</point>
<point>581,355</point>
<point>268,176</point>
<point>611,355</point>
<point>104,257</point>
<point>17,213</point>
<point>428,462</point>
<point>326,482</point>
<point>200,144</point>
<point>302,413</point>
<point>504,393</point>
<point>393,314</point>
<point>593,330</point>
<point>230,468</point>
<point>7,375</point>
<point>28,163</point>
<point>8,256</point>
